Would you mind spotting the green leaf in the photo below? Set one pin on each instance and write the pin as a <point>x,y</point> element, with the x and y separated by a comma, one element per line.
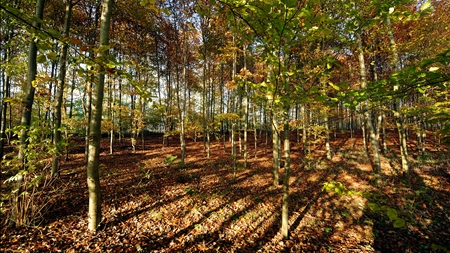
<point>290,3</point>
<point>41,58</point>
<point>399,223</point>
<point>44,46</point>
<point>373,207</point>
<point>437,246</point>
<point>392,214</point>
<point>54,33</point>
<point>425,5</point>
<point>52,56</point>
<point>334,86</point>
<point>104,48</point>
<point>290,73</point>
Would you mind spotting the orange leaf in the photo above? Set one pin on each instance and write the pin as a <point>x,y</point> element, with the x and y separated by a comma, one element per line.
<point>75,41</point>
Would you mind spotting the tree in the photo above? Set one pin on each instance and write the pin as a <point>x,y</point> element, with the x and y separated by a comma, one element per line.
<point>60,90</point>
<point>25,121</point>
<point>399,119</point>
<point>277,27</point>
<point>93,178</point>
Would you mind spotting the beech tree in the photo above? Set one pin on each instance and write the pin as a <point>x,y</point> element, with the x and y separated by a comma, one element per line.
<point>60,90</point>
<point>93,177</point>
<point>286,18</point>
<point>224,67</point>
<point>25,121</point>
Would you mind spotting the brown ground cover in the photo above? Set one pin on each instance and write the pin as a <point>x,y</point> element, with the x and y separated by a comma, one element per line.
<point>150,205</point>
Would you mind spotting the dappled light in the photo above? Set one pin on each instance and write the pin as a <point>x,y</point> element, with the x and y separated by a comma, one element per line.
<point>196,207</point>
<point>224,126</point>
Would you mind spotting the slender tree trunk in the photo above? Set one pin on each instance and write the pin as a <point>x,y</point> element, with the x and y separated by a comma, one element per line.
<point>27,112</point>
<point>72,88</point>
<point>183,107</point>
<point>30,88</point>
<point>168,120</point>
<point>255,132</point>
<point>119,115</point>
<point>366,113</point>
<point>233,148</point>
<point>93,178</point>
<point>204,93</point>
<point>424,138</point>
<point>141,125</point>
<point>304,125</point>
<point>297,108</point>
<point>351,124</point>
<point>397,110</point>
<point>6,94</point>
<point>4,108</point>
<point>209,114</point>
<point>60,91</point>
<point>383,130</point>
<point>90,78</point>
<point>287,168</point>
<point>48,116</point>
<point>327,137</point>
<point>222,106</point>
<point>276,149</point>
<point>88,113</point>
<point>245,105</point>
<point>112,103</point>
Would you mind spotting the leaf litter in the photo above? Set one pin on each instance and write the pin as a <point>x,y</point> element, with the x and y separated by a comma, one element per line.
<point>151,207</point>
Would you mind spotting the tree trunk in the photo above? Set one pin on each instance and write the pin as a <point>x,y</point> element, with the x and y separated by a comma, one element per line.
<point>245,105</point>
<point>366,113</point>
<point>4,110</point>
<point>364,134</point>
<point>27,110</point>
<point>88,116</point>
<point>183,107</point>
<point>209,113</point>
<point>287,167</point>
<point>60,91</point>
<point>304,144</point>
<point>112,103</point>
<point>233,149</point>
<point>276,149</point>
<point>327,137</point>
<point>383,131</point>
<point>423,137</point>
<point>93,179</point>
<point>397,110</point>
<point>30,88</point>
<point>255,133</point>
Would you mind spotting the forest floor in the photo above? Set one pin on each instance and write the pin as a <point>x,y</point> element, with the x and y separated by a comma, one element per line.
<point>153,205</point>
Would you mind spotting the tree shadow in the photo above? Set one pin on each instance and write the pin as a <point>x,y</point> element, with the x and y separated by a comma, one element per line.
<point>423,205</point>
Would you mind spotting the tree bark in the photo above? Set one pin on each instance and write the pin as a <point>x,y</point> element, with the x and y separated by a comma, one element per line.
<point>397,111</point>
<point>327,137</point>
<point>245,105</point>
<point>27,111</point>
<point>304,125</point>
<point>4,110</point>
<point>30,88</point>
<point>93,179</point>
<point>366,112</point>
<point>287,168</point>
<point>60,92</point>
<point>276,149</point>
